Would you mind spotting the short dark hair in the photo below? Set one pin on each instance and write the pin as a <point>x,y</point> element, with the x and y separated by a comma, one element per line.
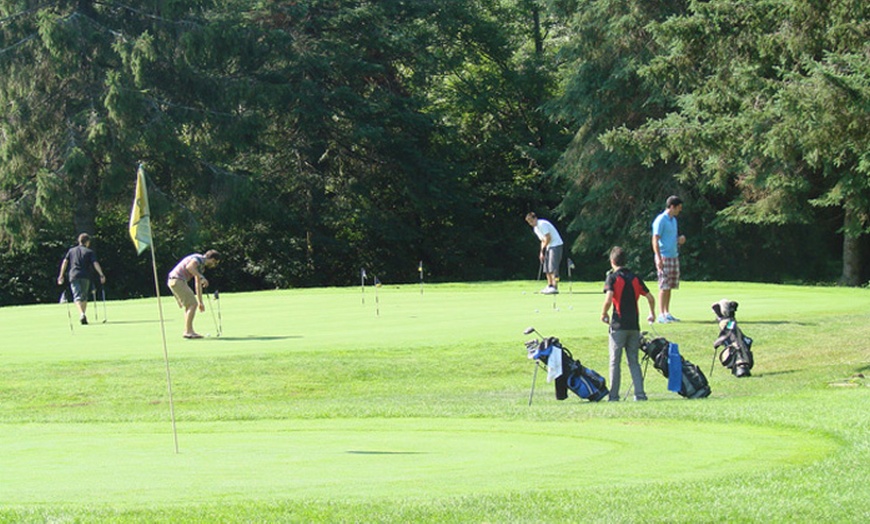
<point>674,201</point>
<point>84,238</point>
<point>212,254</point>
<point>531,216</point>
<point>618,256</point>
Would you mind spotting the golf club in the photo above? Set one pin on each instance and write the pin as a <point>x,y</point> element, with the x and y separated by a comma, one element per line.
<point>68,312</point>
<point>220,319</point>
<point>96,304</point>
<point>534,379</point>
<point>213,317</point>
<point>105,315</point>
<point>529,330</point>
<point>532,343</point>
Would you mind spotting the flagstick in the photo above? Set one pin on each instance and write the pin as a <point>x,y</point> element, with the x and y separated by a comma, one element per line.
<point>362,286</point>
<point>165,351</point>
<point>421,277</point>
<point>377,303</point>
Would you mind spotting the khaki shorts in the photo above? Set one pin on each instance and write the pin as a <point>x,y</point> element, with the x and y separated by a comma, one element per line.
<point>185,296</point>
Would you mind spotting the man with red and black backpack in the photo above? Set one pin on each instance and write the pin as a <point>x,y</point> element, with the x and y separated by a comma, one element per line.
<point>623,289</point>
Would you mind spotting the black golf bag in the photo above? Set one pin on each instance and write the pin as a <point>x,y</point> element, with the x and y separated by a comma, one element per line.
<point>694,383</point>
<point>736,354</point>
<point>584,382</point>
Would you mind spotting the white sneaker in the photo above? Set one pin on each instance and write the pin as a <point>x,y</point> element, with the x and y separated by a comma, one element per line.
<point>550,290</point>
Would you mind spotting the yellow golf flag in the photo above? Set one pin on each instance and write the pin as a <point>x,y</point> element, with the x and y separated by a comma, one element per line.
<point>140,216</point>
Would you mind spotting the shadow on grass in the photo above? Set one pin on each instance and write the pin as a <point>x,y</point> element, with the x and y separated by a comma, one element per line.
<point>774,373</point>
<point>125,322</point>
<point>744,323</point>
<point>360,452</point>
<point>251,337</point>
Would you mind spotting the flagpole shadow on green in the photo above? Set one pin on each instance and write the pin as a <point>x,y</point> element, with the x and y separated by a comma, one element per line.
<point>140,232</point>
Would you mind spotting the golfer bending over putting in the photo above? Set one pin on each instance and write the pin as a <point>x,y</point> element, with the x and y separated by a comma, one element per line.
<point>191,266</point>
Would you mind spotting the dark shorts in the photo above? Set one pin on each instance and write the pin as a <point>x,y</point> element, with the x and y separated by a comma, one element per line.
<point>80,289</point>
<point>553,259</point>
<point>669,276</point>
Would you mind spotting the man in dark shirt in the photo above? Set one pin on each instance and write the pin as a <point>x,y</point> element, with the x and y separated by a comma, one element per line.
<point>623,289</point>
<point>81,261</point>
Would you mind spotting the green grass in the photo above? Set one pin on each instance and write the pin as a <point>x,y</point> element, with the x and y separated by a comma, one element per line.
<point>317,406</point>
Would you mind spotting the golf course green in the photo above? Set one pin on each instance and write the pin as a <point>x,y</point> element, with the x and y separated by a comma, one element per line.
<point>399,403</point>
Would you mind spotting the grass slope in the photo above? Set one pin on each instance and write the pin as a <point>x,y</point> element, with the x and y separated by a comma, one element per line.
<point>389,405</point>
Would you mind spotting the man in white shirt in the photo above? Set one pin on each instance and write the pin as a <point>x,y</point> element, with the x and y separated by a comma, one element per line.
<point>551,251</point>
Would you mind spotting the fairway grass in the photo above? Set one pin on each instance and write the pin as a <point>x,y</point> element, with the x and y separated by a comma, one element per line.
<point>388,405</point>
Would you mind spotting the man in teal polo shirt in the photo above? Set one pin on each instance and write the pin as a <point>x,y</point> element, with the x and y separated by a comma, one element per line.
<point>666,242</point>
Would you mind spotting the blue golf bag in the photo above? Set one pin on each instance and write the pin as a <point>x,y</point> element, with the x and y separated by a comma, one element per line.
<point>582,381</point>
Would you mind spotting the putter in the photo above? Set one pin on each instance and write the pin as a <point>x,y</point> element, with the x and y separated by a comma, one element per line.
<point>105,316</point>
<point>68,312</point>
<point>213,318</point>
<point>220,320</point>
<point>96,304</point>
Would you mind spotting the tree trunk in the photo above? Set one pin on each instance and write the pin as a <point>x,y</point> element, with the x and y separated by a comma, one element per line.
<point>851,251</point>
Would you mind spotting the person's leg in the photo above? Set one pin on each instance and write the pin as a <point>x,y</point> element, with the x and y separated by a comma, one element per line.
<point>615,345</point>
<point>186,299</point>
<point>632,346</point>
<point>189,315</point>
<point>555,260</point>
<point>80,288</point>
<point>664,301</point>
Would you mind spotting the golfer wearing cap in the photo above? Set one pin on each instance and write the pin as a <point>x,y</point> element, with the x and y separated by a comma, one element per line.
<point>666,242</point>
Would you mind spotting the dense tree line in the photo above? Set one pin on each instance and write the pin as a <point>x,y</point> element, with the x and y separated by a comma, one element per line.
<point>308,139</point>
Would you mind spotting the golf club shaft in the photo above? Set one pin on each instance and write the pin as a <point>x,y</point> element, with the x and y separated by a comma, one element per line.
<point>220,318</point>
<point>68,312</point>
<point>213,318</point>
<point>534,379</point>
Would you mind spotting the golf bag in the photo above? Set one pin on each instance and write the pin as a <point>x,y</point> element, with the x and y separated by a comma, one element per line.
<point>736,354</point>
<point>694,384</point>
<point>572,375</point>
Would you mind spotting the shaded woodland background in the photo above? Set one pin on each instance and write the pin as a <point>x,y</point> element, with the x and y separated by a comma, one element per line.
<point>309,139</point>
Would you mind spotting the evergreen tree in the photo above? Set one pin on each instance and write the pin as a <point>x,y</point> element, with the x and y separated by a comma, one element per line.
<point>611,197</point>
<point>771,113</point>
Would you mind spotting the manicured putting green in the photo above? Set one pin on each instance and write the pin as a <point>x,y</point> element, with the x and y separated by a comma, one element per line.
<point>135,464</point>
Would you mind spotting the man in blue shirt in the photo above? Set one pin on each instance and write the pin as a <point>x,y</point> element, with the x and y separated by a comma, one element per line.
<point>666,242</point>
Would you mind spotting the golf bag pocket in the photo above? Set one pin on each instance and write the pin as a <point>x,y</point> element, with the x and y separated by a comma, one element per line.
<point>588,384</point>
<point>580,380</point>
